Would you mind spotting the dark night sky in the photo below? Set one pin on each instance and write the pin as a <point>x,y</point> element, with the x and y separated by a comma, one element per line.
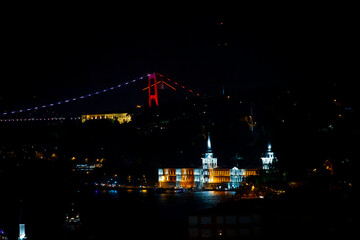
<point>65,52</point>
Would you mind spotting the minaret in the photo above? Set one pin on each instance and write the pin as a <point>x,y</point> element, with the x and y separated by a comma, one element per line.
<point>208,162</point>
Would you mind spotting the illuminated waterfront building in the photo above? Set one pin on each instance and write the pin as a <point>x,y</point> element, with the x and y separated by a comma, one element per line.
<point>181,177</point>
<point>269,159</point>
<point>120,117</point>
<point>209,176</point>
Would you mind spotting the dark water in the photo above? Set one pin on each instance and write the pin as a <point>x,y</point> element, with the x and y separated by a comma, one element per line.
<point>140,214</point>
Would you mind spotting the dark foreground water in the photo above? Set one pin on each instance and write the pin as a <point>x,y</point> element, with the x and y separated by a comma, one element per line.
<point>111,214</point>
<point>141,214</point>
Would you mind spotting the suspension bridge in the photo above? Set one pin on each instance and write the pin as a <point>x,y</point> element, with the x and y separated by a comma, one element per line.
<point>155,83</point>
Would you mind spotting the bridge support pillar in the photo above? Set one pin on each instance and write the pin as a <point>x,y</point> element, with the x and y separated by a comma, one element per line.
<point>153,94</point>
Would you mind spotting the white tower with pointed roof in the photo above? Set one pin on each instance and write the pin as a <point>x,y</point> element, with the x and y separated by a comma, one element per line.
<point>208,162</point>
<point>269,159</point>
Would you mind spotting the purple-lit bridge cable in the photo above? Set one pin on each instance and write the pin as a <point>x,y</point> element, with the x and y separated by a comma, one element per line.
<point>71,99</point>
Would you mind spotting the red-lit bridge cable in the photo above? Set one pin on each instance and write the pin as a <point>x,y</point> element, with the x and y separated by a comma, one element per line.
<point>182,86</point>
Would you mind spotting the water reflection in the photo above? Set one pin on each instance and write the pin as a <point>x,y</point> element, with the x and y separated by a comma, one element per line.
<point>105,212</point>
<point>189,202</point>
<point>186,201</point>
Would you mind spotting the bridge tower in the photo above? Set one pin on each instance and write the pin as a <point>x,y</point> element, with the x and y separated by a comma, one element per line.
<point>153,94</point>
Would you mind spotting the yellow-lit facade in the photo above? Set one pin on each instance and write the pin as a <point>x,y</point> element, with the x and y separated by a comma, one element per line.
<point>251,172</point>
<point>180,177</point>
<point>120,117</point>
<point>220,175</point>
<point>209,176</point>
<point>219,178</point>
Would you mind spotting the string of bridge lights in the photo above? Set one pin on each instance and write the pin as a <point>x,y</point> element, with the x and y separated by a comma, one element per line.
<point>76,99</point>
<point>39,119</point>
<point>69,100</point>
